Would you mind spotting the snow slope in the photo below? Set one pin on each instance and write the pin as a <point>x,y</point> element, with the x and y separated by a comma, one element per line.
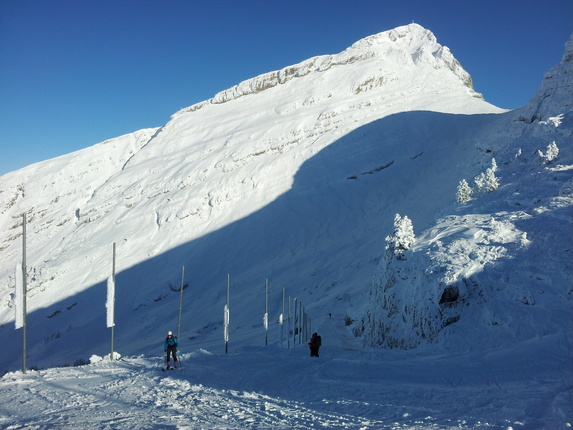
<point>296,176</point>
<point>260,387</point>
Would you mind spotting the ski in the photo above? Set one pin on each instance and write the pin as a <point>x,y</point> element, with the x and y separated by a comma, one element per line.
<point>170,368</point>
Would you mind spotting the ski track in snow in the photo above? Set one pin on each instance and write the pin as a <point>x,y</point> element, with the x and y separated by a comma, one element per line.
<point>270,387</point>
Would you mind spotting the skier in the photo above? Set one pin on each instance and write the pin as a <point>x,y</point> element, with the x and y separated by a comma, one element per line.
<point>170,348</point>
<point>314,344</point>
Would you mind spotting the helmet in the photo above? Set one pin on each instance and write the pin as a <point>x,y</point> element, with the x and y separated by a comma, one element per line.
<point>169,333</point>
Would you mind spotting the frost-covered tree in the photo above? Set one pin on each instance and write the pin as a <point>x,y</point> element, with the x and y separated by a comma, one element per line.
<point>403,237</point>
<point>487,181</point>
<point>551,154</point>
<point>491,181</point>
<point>403,309</point>
<point>464,191</point>
<point>518,153</point>
<point>479,182</point>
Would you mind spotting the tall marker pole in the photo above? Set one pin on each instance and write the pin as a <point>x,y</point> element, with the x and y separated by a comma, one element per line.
<point>281,321</point>
<point>288,325</point>
<point>266,318</point>
<point>305,325</point>
<point>180,302</point>
<point>300,323</point>
<point>294,322</point>
<point>227,315</point>
<point>111,303</point>
<point>24,289</point>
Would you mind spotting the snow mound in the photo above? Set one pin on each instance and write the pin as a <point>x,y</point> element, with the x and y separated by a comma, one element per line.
<point>96,358</point>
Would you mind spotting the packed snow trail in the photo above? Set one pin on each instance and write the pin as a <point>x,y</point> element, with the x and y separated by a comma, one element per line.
<point>285,388</point>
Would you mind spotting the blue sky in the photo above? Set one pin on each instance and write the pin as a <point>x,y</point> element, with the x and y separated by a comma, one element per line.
<point>74,73</point>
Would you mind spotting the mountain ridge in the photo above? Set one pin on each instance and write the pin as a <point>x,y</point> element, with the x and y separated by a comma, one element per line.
<point>407,45</point>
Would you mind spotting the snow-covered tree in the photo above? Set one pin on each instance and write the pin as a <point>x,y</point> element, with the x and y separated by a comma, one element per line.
<point>551,154</point>
<point>403,237</point>
<point>518,153</point>
<point>403,308</point>
<point>491,181</point>
<point>479,182</point>
<point>487,181</point>
<point>464,191</point>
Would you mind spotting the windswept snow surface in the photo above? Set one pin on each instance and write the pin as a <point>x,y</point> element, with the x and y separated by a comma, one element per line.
<point>269,387</point>
<point>296,176</point>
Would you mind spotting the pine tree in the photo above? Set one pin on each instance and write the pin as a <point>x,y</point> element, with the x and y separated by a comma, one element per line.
<point>479,182</point>
<point>403,238</point>
<point>487,181</point>
<point>464,191</point>
<point>491,182</point>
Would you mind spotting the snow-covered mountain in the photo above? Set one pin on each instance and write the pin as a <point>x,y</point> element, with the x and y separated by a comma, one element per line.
<point>295,176</point>
<point>501,259</point>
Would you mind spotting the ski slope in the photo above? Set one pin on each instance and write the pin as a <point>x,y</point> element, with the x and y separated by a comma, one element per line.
<point>257,387</point>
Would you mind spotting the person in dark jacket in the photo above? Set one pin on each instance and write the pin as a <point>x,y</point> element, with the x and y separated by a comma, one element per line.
<point>170,348</point>
<point>314,344</point>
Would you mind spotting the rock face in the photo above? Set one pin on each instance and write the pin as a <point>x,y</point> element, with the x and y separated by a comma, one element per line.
<point>556,91</point>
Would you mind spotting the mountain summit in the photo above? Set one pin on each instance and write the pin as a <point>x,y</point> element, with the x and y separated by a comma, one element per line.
<point>293,176</point>
<point>403,49</point>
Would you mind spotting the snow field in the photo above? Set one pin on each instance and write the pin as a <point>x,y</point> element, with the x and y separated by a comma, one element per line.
<point>276,388</point>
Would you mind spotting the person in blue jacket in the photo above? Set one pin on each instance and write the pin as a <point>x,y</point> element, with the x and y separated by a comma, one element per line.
<point>170,348</point>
